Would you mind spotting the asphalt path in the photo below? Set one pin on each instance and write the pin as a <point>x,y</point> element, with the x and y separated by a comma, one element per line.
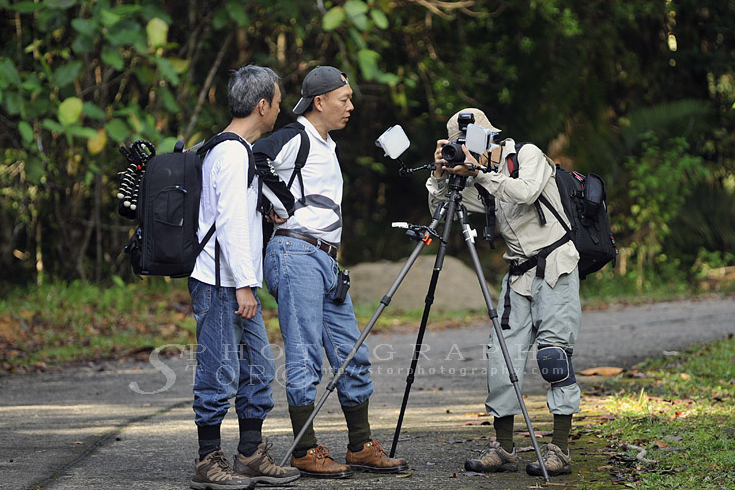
<point>130,424</point>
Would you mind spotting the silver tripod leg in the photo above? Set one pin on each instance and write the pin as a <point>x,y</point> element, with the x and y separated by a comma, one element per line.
<point>469,238</point>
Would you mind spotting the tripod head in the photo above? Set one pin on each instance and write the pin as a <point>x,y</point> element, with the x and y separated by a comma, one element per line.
<point>456,183</point>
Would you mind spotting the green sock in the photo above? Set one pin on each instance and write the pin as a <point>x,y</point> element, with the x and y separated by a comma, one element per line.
<point>358,425</point>
<point>562,427</point>
<point>504,432</point>
<point>299,415</point>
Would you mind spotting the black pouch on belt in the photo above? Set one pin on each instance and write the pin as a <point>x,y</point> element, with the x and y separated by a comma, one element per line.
<point>343,285</point>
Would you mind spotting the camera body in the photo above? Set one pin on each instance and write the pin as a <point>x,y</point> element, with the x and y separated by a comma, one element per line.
<point>452,152</point>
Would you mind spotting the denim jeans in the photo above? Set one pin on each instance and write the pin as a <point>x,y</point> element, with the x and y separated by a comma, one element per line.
<point>234,357</point>
<point>303,279</point>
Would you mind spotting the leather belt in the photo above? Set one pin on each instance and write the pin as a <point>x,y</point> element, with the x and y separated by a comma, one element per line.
<point>326,247</point>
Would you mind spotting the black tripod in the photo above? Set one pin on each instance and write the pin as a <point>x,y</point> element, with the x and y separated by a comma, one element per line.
<point>446,211</point>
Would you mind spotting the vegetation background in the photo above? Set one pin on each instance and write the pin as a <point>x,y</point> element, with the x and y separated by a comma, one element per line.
<point>639,91</point>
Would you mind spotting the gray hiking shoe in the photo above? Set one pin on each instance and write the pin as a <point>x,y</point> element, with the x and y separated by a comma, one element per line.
<point>260,467</point>
<point>213,472</point>
<point>556,462</point>
<point>493,459</point>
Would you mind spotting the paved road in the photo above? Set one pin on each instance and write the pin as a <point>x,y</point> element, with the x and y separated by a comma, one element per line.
<point>129,425</point>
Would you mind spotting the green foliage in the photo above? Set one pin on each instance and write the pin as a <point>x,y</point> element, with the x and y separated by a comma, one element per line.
<point>79,78</point>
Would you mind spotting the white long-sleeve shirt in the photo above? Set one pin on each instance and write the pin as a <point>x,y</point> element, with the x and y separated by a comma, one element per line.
<point>227,199</point>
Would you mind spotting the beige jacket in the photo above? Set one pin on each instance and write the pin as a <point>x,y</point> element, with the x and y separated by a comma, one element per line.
<point>517,219</point>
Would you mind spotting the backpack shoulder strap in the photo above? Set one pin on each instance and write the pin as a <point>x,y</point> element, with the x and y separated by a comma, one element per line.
<point>513,165</point>
<point>228,136</point>
<point>301,157</point>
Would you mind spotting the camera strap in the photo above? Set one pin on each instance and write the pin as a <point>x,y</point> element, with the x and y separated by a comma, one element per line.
<point>488,202</point>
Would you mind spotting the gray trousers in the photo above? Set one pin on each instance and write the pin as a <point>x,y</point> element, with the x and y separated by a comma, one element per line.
<point>551,316</point>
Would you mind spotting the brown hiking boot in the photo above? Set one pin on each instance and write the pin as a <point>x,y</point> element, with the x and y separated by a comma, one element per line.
<point>213,472</point>
<point>319,464</point>
<point>493,459</point>
<point>373,460</point>
<point>556,462</point>
<point>261,468</point>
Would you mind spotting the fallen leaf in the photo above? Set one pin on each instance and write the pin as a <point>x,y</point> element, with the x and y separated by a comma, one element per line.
<point>477,422</point>
<point>601,371</point>
<point>404,475</point>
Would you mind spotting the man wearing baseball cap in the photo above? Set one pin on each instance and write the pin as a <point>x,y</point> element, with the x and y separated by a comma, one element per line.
<point>302,273</point>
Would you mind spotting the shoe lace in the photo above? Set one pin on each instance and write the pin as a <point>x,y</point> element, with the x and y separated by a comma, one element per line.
<point>218,458</point>
<point>377,446</point>
<point>266,453</point>
<point>321,452</point>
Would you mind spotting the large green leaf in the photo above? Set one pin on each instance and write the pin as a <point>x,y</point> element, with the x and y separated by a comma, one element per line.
<point>91,110</point>
<point>60,4</point>
<point>167,70</point>
<point>111,56</point>
<point>109,18</point>
<point>118,130</point>
<point>169,101</point>
<point>70,110</point>
<point>127,34</point>
<point>66,74</point>
<point>52,126</point>
<point>379,18</point>
<point>8,73</point>
<point>368,61</point>
<point>26,7</point>
<point>26,131</point>
<point>34,170</point>
<point>83,44</point>
<point>84,26</point>
<point>333,19</point>
<point>236,10</point>
<point>157,32</point>
<point>13,103</point>
<point>82,132</point>
<point>355,7</point>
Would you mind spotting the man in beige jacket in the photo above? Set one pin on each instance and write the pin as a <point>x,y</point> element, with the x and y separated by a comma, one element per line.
<point>539,301</point>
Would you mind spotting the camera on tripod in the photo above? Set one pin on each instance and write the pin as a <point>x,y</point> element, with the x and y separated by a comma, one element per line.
<point>452,152</point>
<point>477,139</point>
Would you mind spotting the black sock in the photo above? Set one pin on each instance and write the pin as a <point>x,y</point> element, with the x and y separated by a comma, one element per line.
<point>562,427</point>
<point>209,439</point>
<point>504,432</point>
<point>250,436</point>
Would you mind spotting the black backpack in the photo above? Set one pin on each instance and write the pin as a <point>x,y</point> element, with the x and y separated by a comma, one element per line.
<point>163,192</point>
<point>585,206</point>
<point>265,150</point>
<point>584,202</point>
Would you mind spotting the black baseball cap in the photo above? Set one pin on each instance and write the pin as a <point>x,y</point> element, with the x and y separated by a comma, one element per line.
<point>319,81</point>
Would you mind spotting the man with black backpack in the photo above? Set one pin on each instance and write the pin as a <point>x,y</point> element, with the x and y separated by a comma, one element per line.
<point>539,302</point>
<point>314,312</point>
<point>234,356</point>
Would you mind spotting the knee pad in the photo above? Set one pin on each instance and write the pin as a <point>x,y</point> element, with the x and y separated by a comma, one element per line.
<point>555,364</point>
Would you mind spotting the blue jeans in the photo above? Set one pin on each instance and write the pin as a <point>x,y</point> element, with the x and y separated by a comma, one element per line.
<point>234,357</point>
<point>303,279</point>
